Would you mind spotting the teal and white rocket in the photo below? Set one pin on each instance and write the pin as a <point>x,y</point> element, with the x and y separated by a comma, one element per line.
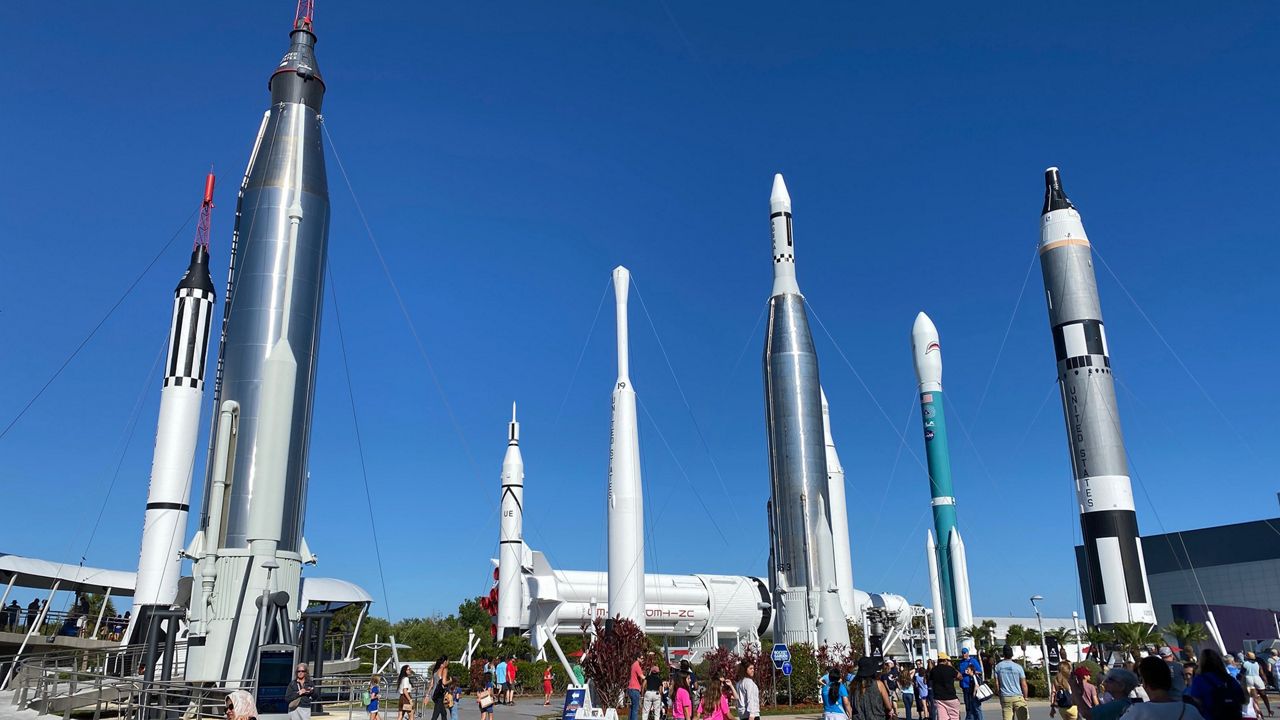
<point>948,569</point>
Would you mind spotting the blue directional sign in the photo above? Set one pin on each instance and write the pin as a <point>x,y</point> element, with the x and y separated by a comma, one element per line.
<point>786,668</point>
<point>781,655</point>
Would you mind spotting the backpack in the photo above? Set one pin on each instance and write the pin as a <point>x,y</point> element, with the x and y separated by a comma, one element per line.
<point>1226,701</point>
<point>1062,699</point>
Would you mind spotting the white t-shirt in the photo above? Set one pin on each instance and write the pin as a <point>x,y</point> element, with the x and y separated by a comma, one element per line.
<point>1163,711</point>
<point>406,687</point>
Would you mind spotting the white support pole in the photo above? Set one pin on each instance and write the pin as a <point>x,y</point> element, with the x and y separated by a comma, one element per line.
<point>355,636</point>
<point>1213,630</point>
<point>44,611</point>
<point>105,599</point>
<point>5,598</point>
<point>1075,620</point>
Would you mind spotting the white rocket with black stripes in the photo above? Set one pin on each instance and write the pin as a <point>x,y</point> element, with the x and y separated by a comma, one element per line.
<point>165,527</point>
<point>1114,570</point>
<point>511,535</point>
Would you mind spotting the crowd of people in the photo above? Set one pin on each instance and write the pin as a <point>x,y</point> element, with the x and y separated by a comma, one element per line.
<point>77,621</point>
<point>1157,687</point>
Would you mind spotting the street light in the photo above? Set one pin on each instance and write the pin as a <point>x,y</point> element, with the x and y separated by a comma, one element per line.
<point>1044,653</point>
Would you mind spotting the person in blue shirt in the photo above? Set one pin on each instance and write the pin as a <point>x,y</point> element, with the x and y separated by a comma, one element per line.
<point>835,697</point>
<point>970,677</point>
<point>500,680</point>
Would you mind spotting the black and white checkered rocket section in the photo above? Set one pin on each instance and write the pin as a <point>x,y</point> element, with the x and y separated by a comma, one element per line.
<point>177,429</point>
<point>804,583</point>
<point>250,542</point>
<point>1116,572</point>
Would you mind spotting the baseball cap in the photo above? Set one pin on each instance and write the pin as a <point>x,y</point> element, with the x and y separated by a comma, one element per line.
<point>964,651</point>
<point>1165,651</point>
<point>943,656</point>
<point>1081,672</point>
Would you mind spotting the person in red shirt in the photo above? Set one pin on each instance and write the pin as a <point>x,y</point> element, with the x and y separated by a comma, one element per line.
<point>634,683</point>
<point>511,679</point>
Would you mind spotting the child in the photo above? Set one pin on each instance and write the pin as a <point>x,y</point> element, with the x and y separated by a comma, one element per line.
<point>546,686</point>
<point>451,695</point>
<point>372,706</point>
<point>484,697</point>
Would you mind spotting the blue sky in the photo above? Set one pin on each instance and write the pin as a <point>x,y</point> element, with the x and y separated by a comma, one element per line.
<point>508,155</point>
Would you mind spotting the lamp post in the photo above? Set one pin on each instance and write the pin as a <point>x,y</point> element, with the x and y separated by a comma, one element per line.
<point>1075,620</point>
<point>1044,653</point>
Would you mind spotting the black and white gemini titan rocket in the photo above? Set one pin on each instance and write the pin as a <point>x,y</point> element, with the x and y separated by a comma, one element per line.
<point>249,550</point>
<point>805,586</point>
<point>1114,568</point>
<point>159,564</point>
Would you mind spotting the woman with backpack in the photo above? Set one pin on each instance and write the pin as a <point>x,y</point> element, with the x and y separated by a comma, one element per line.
<point>1060,694</point>
<point>439,686</point>
<point>1217,694</point>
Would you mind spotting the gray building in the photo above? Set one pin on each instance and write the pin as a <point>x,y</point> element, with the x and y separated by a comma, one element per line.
<point>1233,570</point>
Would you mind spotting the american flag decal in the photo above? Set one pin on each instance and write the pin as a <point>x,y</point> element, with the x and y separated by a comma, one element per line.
<point>926,398</point>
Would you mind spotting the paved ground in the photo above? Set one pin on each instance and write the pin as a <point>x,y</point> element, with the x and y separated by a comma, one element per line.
<point>524,709</point>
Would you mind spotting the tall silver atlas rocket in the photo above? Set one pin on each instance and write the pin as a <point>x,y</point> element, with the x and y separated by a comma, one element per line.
<point>249,549</point>
<point>804,579</point>
<point>172,463</point>
<point>1114,568</point>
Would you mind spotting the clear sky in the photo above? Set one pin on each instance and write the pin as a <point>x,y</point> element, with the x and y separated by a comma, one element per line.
<point>508,155</point>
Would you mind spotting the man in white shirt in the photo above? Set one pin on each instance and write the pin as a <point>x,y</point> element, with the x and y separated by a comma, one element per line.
<point>748,693</point>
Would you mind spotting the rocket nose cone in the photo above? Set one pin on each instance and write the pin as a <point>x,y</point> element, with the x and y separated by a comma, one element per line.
<point>923,326</point>
<point>1055,198</point>
<point>621,275</point>
<point>779,194</point>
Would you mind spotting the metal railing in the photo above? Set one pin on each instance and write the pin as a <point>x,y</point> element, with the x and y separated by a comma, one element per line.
<point>97,684</point>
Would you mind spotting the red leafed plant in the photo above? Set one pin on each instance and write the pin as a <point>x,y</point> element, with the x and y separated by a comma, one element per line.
<point>608,660</point>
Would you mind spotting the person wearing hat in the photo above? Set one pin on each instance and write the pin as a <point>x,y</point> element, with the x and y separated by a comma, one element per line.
<point>942,689</point>
<point>869,695</point>
<point>1011,681</point>
<point>970,669</point>
<point>1175,669</point>
<point>1084,694</point>
<point>1119,684</point>
<point>1252,673</point>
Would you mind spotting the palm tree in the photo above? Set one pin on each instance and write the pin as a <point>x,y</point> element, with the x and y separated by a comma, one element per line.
<point>1017,635</point>
<point>1065,635</point>
<point>982,634</point>
<point>1188,634</point>
<point>1032,637</point>
<point>1135,636</point>
<point>1097,639</point>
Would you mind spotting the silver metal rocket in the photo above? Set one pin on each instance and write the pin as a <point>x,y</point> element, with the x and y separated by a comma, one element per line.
<point>626,500</point>
<point>511,534</point>
<point>251,546</point>
<point>168,498</point>
<point>805,586</point>
<point>1113,553</point>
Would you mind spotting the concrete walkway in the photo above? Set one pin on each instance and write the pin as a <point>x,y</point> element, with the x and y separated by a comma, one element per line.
<point>524,709</point>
